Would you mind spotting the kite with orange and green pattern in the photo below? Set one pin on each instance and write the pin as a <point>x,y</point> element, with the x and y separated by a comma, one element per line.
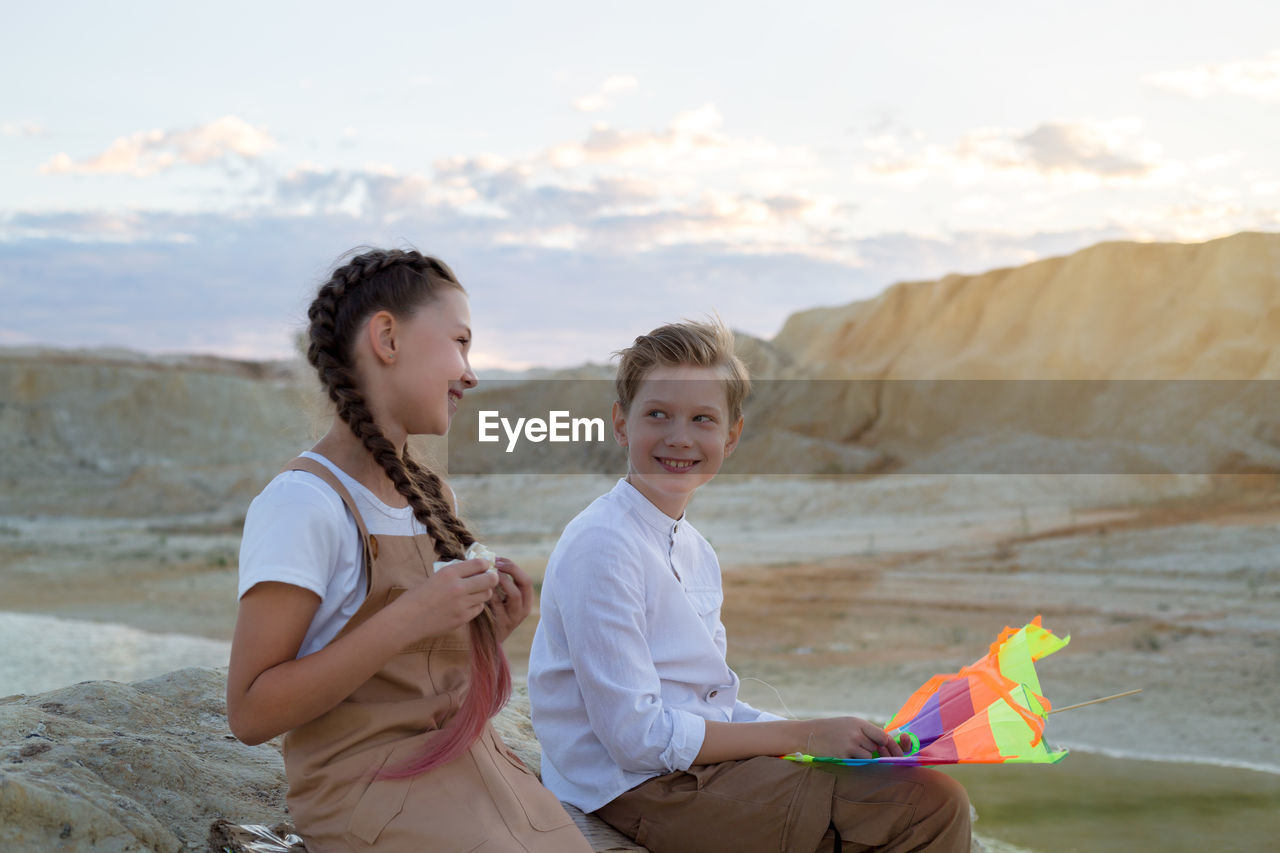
<point>990,712</point>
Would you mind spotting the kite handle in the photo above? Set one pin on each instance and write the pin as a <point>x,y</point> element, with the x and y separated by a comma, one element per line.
<point>915,744</point>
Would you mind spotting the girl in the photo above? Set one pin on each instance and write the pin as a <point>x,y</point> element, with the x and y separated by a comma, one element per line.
<point>381,673</point>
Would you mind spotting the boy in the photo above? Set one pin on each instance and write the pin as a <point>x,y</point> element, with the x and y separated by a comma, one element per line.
<point>633,702</point>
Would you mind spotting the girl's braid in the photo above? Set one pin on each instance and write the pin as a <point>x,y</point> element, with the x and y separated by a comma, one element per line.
<point>336,305</point>
<point>430,486</point>
<point>400,281</point>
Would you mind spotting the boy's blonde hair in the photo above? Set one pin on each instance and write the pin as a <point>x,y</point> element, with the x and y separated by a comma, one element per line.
<point>677,344</point>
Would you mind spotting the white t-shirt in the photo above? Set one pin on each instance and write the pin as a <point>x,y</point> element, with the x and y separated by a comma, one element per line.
<point>298,531</point>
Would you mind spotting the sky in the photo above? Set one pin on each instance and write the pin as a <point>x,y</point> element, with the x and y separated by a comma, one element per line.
<point>181,178</point>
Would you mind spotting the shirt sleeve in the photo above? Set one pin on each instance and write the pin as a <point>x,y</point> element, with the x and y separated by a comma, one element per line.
<point>601,595</point>
<point>292,534</point>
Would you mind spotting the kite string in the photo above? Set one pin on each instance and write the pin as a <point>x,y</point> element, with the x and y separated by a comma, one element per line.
<point>781,701</point>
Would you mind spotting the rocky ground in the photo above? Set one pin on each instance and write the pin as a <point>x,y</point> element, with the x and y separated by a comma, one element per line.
<point>150,766</point>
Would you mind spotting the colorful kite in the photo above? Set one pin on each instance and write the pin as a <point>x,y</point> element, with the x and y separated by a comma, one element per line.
<point>988,713</point>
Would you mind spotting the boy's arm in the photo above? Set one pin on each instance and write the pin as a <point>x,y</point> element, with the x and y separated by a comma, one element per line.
<point>839,737</point>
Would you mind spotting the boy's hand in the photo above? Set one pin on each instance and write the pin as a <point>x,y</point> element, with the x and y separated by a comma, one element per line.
<point>512,599</point>
<point>849,737</point>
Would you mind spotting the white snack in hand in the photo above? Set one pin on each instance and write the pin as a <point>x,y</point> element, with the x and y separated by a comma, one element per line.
<point>475,551</point>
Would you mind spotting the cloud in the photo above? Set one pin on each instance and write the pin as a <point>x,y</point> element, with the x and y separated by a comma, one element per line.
<point>152,151</point>
<point>1265,188</point>
<point>1203,215</point>
<point>627,207</point>
<point>373,192</point>
<point>1089,148</point>
<point>602,97</point>
<point>690,183</point>
<point>622,192</point>
<point>93,227</point>
<point>1081,152</point>
<point>569,249</point>
<point>23,128</point>
<point>239,284</point>
<point>1248,78</point>
<point>692,142</point>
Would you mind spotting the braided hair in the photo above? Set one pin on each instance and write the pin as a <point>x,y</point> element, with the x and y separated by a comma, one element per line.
<point>401,281</point>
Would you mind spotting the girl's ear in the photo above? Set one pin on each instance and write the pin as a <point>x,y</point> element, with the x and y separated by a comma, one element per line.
<point>382,331</point>
<point>619,425</point>
<point>735,433</point>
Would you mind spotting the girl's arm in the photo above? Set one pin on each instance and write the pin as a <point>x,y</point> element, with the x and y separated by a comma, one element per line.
<point>270,690</point>
<point>838,737</point>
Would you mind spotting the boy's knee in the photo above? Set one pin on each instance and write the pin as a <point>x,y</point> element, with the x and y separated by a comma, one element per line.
<point>944,808</point>
<point>946,791</point>
<point>930,810</point>
<point>949,796</point>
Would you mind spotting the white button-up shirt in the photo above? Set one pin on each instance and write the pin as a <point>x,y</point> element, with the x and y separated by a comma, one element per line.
<point>628,661</point>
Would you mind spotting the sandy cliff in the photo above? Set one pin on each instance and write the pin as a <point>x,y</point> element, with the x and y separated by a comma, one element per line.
<point>1112,311</point>
<point>1121,358</point>
<point>109,433</point>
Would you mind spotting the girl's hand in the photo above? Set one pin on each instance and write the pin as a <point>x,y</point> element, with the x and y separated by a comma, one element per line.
<point>453,596</point>
<point>849,737</point>
<point>512,600</point>
<point>271,690</point>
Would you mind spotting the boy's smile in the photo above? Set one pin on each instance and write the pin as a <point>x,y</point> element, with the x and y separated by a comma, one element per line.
<point>677,433</point>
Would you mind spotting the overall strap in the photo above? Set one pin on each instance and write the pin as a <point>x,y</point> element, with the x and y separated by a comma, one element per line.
<point>368,543</point>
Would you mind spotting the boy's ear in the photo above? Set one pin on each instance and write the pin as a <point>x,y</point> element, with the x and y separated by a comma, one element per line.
<point>735,433</point>
<point>619,425</point>
<point>382,332</point>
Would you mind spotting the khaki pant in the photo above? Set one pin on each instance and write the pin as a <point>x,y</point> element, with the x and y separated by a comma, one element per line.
<point>767,804</point>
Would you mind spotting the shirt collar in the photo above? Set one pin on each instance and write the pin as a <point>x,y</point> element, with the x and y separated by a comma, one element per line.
<point>644,508</point>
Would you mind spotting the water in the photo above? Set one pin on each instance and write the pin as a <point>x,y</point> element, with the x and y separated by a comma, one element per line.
<point>1097,804</point>
<point>45,652</point>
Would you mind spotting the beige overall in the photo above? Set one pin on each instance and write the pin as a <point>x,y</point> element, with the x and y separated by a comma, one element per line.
<point>485,800</point>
